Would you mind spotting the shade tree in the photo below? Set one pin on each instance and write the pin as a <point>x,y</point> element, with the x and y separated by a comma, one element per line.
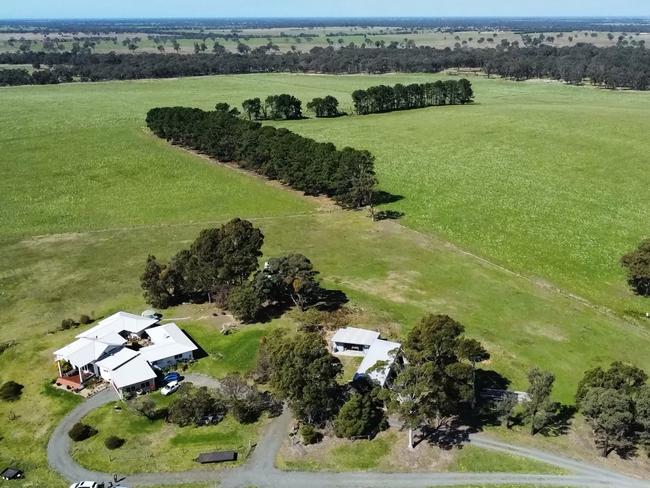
<point>304,373</point>
<point>637,265</point>
<point>431,388</point>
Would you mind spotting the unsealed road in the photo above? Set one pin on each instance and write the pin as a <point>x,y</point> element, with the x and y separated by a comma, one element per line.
<point>259,470</point>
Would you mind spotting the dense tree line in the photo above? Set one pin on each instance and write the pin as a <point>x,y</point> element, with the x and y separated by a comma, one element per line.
<point>327,106</point>
<point>610,67</point>
<point>382,98</point>
<point>275,107</point>
<point>315,168</point>
<point>445,24</point>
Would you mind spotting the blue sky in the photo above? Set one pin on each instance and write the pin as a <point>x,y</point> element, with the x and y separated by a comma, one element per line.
<point>327,8</point>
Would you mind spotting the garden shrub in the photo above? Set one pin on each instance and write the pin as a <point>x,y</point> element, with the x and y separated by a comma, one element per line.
<point>81,432</point>
<point>114,442</point>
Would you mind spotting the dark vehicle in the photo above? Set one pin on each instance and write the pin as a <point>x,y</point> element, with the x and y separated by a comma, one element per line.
<point>12,474</point>
<point>209,420</point>
<point>173,376</point>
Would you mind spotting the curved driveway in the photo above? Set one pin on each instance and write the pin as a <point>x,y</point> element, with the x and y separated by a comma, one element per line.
<point>260,471</point>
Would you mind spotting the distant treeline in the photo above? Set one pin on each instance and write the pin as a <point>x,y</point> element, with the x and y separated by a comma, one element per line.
<point>316,168</point>
<point>611,67</point>
<point>531,24</point>
<point>382,98</point>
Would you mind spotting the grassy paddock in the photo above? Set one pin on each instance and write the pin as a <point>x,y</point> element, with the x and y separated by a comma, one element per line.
<point>87,194</point>
<point>153,446</point>
<point>387,453</point>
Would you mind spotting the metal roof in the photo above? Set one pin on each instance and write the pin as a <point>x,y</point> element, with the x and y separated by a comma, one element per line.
<point>352,335</point>
<point>83,351</point>
<point>168,340</point>
<point>108,330</point>
<point>116,360</point>
<point>137,370</point>
<point>380,350</point>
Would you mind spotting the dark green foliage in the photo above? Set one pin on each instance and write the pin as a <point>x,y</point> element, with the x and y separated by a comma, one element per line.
<point>153,283</point>
<point>227,255</point>
<point>244,303</point>
<point>620,376</point>
<point>114,442</point>
<point>288,278</point>
<point>309,434</point>
<point>540,410</point>
<point>304,373</point>
<point>218,260</point>
<point>253,108</point>
<point>80,432</point>
<point>637,264</point>
<point>430,389</point>
<point>643,415</point>
<point>306,165</point>
<point>324,107</point>
<point>244,401</point>
<point>356,179</point>
<point>68,324</point>
<point>505,410</point>
<point>610,67</point>
<point>616,403</point>
<point>382,98</point>
<point>85,319</point>
<point>282,107</point>
<point>147,407</point>
<point>610,413</point>
<point>191,404</point>
<point>11,391</point>
<point>360,416</point>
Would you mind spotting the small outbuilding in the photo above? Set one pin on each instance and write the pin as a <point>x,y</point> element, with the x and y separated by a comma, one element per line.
<point>353,341</point>
<point>217,457</point>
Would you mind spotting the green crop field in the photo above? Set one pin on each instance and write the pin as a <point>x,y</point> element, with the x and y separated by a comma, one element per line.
<point>547,181</point>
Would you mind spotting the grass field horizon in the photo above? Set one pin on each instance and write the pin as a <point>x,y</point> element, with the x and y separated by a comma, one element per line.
<point>88,193</point>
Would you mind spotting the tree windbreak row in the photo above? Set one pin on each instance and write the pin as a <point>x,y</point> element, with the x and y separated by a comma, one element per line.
<point>611,67</point>
<point>315,168</point>
<point>382,98</point>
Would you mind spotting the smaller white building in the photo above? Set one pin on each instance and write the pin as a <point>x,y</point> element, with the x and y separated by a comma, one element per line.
<point>379,356</point>
<point>353,341</point>
<point>379,361</point>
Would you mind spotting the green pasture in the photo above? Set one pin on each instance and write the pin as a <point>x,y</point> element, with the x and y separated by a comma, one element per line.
<point>547,181</point>
<point>155,445</point>
<point>384,454</point>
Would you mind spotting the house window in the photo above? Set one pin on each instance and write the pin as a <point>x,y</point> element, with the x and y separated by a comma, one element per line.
<point>178,356</point>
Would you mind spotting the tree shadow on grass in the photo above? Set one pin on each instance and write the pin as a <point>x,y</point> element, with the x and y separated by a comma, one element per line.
<point>453,434</point>
<point>200,352</point>
<point>381,197</point>
<point>560,423</point>
<point>389,215</point>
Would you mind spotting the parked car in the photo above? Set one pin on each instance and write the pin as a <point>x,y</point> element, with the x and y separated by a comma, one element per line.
<point>209,420</point>
<point>173,376</point>
<point>169,388</point>
<point>92,484</point>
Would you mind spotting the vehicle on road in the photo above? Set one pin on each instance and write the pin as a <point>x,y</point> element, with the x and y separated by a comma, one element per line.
<point>169,388</point>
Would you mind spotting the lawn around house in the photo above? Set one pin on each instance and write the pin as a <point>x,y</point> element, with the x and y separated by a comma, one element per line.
<point>87,194</point>
<point>156,446</point>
